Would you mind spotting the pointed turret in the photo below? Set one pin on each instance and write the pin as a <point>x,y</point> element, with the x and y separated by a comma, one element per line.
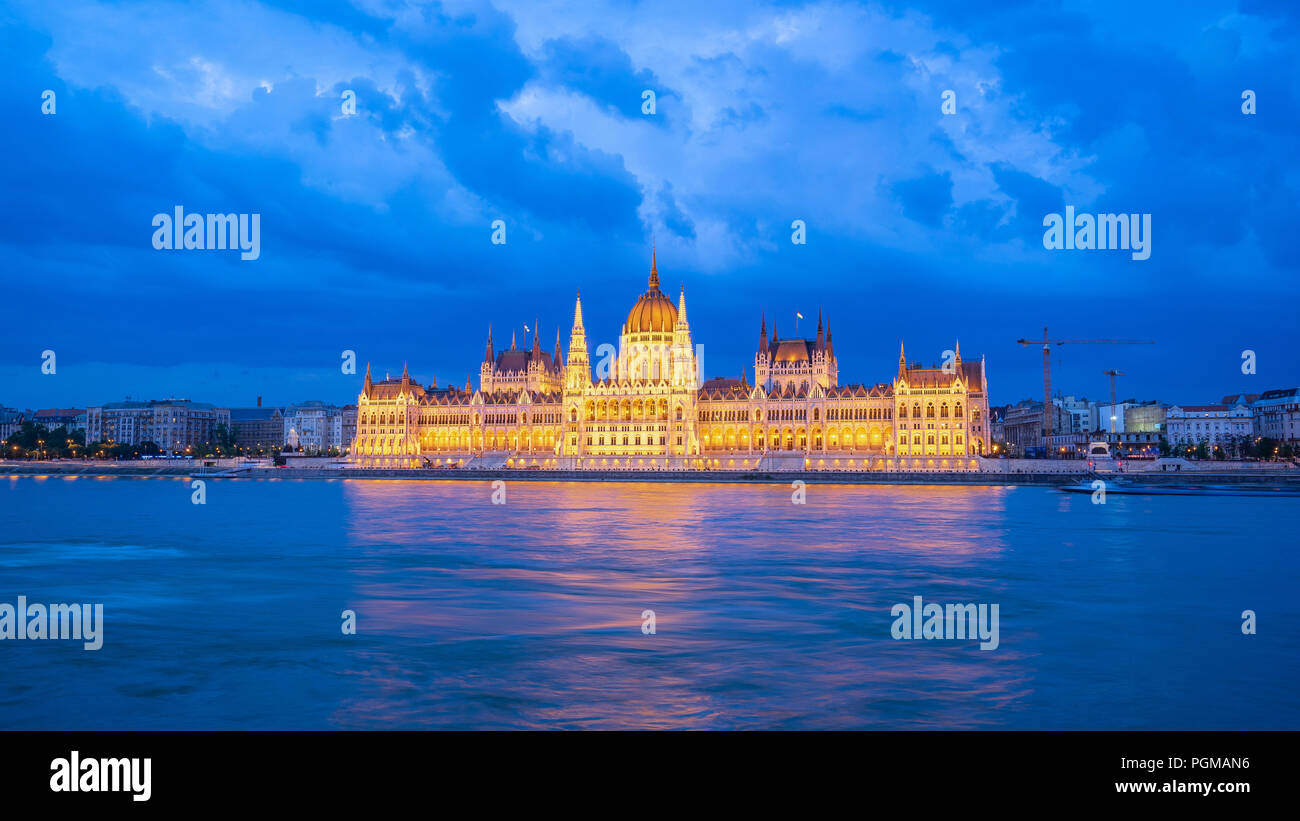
<point>406,380</point>
<point>762,335</point>
<point>957,352</point>
<point>537,342</point>
<point>684,368</point>
<point>830,345</point>
<point>433,386</point>
<point>821,339</point>
<point>654,271</point>
<point>365,388</point>
<point>489,356</point>
<point>556,362</point>
<point>469,386</point>
<point>902,361</point>
<point>512,340</point>
<point>578,372</point>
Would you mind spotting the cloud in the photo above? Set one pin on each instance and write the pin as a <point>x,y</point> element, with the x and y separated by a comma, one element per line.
<point>376,226</point>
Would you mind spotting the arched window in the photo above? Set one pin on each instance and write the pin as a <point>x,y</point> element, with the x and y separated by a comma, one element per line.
<point>943,411</point>
<point>902,411</point>
<point>929,411</point>
<point>573,414</point>
<point>679,413</point>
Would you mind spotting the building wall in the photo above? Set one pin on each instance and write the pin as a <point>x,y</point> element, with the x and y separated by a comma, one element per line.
<point>173,425</point>
<point>1212,424</point>
<point>1146,418</point>
<point>1277,416</point>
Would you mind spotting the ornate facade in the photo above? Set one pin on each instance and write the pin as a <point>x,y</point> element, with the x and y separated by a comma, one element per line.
<point>645,408</point>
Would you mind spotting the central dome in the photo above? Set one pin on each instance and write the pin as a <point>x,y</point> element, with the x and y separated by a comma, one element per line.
<point>653,311</point>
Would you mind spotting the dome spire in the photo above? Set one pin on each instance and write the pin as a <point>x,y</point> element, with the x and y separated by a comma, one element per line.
<point>654,268</point>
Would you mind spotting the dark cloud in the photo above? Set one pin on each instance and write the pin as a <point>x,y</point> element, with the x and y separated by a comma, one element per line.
<point>925,199</point>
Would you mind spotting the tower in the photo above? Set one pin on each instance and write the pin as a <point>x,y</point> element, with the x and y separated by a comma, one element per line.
<point>684,369</point>
<point>577,374</point>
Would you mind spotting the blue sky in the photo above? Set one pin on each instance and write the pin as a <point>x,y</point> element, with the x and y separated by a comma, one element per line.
<point>376,228</point>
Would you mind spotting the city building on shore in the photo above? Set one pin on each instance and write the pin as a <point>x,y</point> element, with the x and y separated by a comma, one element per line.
<point>258,428</point>
<point>1117,413</point>
<point>70,418</point>
<point>1022,430</point>
<point>173,424</point>
<point>1277,415</point>
<point>646,407</point>
<point>11,421</point>
<point>1146,417</point>
<point>312,426</point>
<point>1082,414</point>
<point>1215,425</point>
<point>315,427</point>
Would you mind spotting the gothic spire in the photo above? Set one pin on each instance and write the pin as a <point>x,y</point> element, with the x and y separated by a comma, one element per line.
<point>577,313</point>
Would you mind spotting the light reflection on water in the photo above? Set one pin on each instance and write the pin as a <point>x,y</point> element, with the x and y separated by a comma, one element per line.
<point>528,614</point>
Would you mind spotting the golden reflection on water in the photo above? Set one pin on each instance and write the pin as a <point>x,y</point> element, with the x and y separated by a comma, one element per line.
<point>758,601</point>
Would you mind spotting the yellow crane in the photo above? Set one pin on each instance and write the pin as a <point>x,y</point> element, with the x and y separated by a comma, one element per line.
<point>1047,344</point>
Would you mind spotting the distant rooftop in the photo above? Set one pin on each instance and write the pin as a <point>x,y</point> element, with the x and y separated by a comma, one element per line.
<point>151,403</point>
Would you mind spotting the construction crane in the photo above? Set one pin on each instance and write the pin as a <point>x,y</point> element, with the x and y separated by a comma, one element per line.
<point>1112,375</point>
<point>1047,367</point>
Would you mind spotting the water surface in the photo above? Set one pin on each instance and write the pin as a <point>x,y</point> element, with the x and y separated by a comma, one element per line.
<point>529,614</point>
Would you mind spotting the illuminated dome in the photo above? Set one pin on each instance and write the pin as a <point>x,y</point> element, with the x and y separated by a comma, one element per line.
<point>653,311</point>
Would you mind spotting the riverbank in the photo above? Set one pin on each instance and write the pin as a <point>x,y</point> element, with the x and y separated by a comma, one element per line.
<point>1053,473</point>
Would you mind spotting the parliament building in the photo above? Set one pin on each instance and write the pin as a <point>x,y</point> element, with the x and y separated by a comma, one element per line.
<point>646,408</point>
